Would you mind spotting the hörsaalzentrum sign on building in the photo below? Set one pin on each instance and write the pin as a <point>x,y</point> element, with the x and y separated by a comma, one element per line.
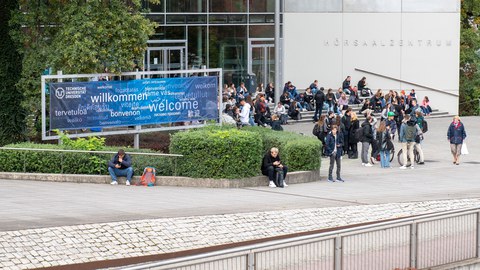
<point>79,105</point>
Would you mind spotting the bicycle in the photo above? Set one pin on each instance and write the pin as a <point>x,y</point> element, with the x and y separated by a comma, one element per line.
<point>416,156</point>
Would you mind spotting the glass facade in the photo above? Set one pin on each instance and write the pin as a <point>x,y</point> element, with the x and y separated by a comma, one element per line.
<point>215,34</point>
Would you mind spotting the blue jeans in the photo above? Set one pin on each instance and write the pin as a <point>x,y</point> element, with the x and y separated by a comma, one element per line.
<point>385,158</point>
<point>114,172</point>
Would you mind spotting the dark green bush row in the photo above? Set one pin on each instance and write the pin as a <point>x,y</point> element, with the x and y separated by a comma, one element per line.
<point>227,152</point>
<point>74,163</point>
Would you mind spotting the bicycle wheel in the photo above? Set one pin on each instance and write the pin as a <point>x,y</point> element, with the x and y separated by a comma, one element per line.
<point>392,154</point>
<point>400,157</point>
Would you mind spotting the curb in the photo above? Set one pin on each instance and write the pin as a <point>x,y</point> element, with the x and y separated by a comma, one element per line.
<point>176,181</point>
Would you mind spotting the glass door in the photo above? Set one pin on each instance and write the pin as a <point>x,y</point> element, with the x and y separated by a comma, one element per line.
<point>165,58</point>
<point>262,60</point>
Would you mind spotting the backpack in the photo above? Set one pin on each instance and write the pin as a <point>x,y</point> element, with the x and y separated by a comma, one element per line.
<point>410,133</point>
<point>358,134</point>
<point>424,126</point>
<point>316,130</point>
<point>148,177</point>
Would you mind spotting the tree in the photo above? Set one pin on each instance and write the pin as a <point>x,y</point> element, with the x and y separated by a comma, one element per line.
<point>470,58</point>
<point>11,115</point>
<point>77,36</point>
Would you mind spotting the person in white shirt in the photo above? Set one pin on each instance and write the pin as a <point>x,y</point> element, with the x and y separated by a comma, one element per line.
<point>245,112</point>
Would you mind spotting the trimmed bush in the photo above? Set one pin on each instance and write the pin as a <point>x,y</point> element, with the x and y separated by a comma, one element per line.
<point>227,152</point>
<point>220,152</point>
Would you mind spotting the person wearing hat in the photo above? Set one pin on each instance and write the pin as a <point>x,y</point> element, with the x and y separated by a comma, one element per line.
<point>120,165</point>
<point>391,124</point>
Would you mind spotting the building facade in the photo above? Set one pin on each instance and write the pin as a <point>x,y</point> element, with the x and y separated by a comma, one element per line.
<point>396,44</point>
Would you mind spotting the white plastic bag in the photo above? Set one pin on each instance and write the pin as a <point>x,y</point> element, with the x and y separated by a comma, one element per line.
<point>464,150</point>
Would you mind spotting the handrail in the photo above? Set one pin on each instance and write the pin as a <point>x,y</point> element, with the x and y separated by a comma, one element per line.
<point>400,80</point>
<point>88,151</point>
<point>324,235</point>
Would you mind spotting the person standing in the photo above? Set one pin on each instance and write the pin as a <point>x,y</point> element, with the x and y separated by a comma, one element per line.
<point>352,140</point>
<point>455,135</point>
<point>120,165</point>
<point>319,100</point>
<point>384,144</point>
<point>334,149</point>
<point>408,132</point>
<point>367,139</point>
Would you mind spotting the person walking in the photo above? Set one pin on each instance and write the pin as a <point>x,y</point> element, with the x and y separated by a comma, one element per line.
<point>334,149</point>
<point>456,135</point>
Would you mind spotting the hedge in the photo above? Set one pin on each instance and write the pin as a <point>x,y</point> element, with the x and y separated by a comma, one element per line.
<point>227,152</point>
<point>74,163</point>
<point>210,152</point>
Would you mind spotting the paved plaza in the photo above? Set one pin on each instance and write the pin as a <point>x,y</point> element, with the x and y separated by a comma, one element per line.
<point>44,224</point>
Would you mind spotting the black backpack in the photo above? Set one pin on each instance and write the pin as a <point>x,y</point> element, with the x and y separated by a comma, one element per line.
<point>424,126</point>
<point>358,135</point>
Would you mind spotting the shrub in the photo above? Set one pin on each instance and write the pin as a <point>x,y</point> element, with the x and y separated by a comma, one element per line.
<point>218,152</point>
<point>241,151</point>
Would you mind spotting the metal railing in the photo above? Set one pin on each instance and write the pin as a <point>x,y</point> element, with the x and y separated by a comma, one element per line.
<point>25,150</point>
<point>417,242</point>
<point>403,81</point>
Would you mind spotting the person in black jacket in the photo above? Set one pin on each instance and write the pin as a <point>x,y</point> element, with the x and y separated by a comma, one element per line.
<point>271,165</point>
<point>120,165</point>
<point>319,100</point>
<point>334,149</point>
<point>367,139</point>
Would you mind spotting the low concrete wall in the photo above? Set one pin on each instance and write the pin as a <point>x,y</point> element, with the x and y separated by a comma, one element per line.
<point>292,178</point>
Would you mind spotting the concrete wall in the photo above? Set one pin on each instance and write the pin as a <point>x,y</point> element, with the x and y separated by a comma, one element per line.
<point>411,40</point>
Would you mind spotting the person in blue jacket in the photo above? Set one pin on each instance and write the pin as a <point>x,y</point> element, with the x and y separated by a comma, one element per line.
<point>455,135</point>
<point>334,149</point>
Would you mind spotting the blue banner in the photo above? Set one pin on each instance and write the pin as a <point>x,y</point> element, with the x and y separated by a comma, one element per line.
<point>78,105</point>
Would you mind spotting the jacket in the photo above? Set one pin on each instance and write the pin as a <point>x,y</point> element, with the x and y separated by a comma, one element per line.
<point>367,132</point>
<point>319,98</point>
<point>268,160</point>
<point>126,162</point>
<point>457,134</point>
<point>402,138</point>
<point>330,142</point>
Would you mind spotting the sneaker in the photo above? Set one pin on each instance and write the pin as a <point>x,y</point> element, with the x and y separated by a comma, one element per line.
<point>331,180</point>
<point>363,164</point>
<point>368,165</point>
<point>271,184</point>
<point>403,167</point>
<point>127,183</point>
<point>340,179</point>
<point>421,163</point>
<point>285,184</point>
<point>411,167</point>
<point>114,183</point>
<point>372,160</point>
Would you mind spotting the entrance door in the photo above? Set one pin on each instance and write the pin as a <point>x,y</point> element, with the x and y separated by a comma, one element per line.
<point>166,58</point>
<point>262,60</point>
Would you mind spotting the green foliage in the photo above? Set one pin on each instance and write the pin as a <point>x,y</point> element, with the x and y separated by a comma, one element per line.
<point>222,153</point>
<point>75,37</point>
<point>74,163</point>
<point>469,58</point>
<point>226,152</point>
<point>12,116</point>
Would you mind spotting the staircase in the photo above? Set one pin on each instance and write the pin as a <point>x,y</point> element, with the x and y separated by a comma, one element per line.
<point>307,117</point>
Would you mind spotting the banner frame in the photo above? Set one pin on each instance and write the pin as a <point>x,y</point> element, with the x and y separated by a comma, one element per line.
<point>139,75</point>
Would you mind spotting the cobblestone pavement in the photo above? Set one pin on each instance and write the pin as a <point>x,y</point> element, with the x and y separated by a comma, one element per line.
<point>54,246</point>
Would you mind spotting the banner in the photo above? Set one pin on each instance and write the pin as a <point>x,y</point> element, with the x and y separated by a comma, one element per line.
<point>79,105</point>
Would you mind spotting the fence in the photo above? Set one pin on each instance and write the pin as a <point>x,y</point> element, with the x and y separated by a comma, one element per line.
<point>21,162</point>
<point>417,242</point>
